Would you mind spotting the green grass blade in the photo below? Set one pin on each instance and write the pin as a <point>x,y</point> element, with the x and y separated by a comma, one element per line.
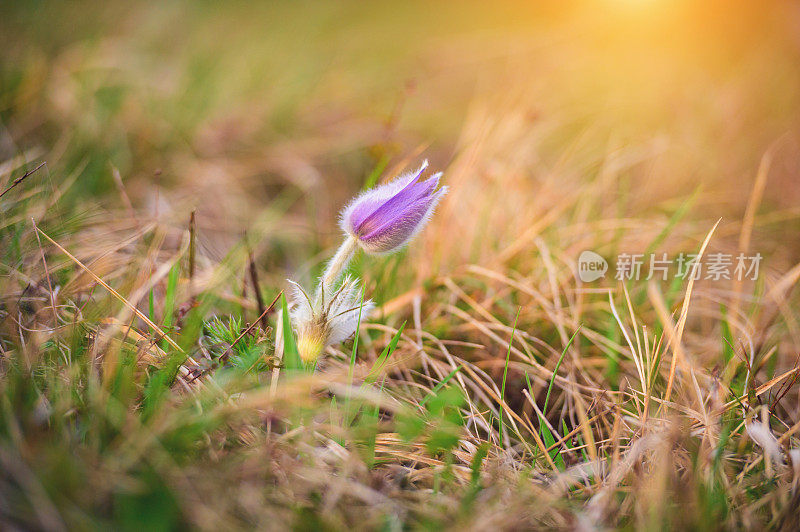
<point>291,358</point>
<point>355,339</point>
<point>169,295</point>
<point>353,357</point>
<point>676,217</point>
<point>477,459</point>
<point>151,305</point>
<point>545,433</point>
<point>384,356</point>
<point>505,374</point>
<point>376,172</point>
<point>549,441</point>
<point>169,300</point>
<point>439,386</point>
<point>558,365</point>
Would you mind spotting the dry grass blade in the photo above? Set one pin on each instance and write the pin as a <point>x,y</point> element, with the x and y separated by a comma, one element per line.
<point>676,336</point>
<point>101,282</point>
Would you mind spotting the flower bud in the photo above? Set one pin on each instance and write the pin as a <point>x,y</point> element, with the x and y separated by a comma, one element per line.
<point>385,218</point>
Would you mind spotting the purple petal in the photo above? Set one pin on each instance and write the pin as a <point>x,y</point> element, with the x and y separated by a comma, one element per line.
<point>394,206</point>
<point>369,201</point>
<point>361,211</point>
<point>401,224</point>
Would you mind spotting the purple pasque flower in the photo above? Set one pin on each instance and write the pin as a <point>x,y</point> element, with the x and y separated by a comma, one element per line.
<point>384,218</point>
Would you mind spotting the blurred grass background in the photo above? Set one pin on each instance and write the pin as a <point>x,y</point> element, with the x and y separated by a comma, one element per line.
<point>559,126</point>
<point>143,84</point>
<point>318,95</point>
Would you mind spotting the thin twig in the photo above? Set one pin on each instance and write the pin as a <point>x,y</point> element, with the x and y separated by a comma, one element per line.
<point>257,290</point>
<point>224,356</point>
<point>263,317</point>
<point>21,178</point>
<point>192,244</point>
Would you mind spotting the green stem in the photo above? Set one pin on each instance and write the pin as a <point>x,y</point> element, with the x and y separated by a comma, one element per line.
<point>337,265</point>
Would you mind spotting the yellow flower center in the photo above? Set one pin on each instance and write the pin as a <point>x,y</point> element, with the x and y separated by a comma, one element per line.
<point>310,344</point>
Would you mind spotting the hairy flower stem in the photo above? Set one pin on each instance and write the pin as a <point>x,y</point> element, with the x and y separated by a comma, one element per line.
<point>337,266</point>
